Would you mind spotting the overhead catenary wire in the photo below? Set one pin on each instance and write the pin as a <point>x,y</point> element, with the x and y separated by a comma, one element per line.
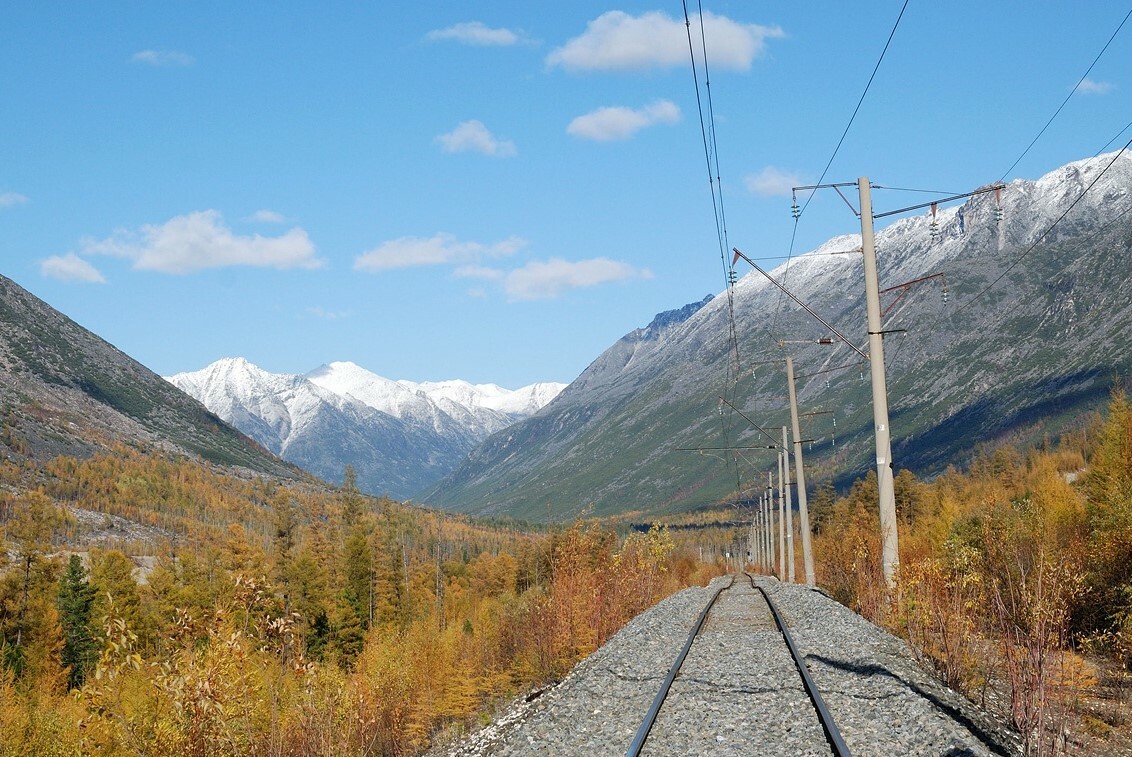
<point>1067,97</point>
<point>1022,255</point>
<point>1015,260</point>
<point>711,155</point>
<point>933,324</point>
<point>760,429</point>
<point>836,149</point>
<point>842,367</point>
<point>1119,134</point>
<point>806,307</point>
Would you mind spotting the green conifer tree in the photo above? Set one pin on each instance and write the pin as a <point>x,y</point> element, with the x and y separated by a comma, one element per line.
<point>357,568</point>
<point>75,600</point>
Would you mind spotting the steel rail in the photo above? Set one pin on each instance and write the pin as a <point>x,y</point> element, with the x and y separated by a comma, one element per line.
<point>832,734</point>
<point>650,717</point>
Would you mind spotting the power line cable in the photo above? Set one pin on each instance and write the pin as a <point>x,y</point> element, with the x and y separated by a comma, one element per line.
<point>1067,97</point>
<point>943,313</point>
<point>1018,259</point>
<point>860,101</point>
<point>711,152</point>
<point>921,191</point>
<point>934,323</point>
<point>836,149</point>
<point>1012,166</point>
<point>724,245</point>
<point>1119,134</point>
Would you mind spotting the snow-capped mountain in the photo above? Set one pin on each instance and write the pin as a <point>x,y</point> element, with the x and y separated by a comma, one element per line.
<point>1029,331</point>
<point>399,436</point>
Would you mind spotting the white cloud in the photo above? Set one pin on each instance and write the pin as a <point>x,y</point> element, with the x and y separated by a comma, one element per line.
<point>8,199</point>
<point>607,124</point>
<point>541,280</point>
<point>473,136</point>
<point>617,41</point>
<point>163,58</point>
<point>200,240</point>
<point>772,182</point>
<point>327,315</point>
<point>440,249</point>
<point>479,272</point>
<point>267,216</point>
<point>70,267</point>
<point>1090,87</point>
<point>536,280</point>
<point>477,33</point>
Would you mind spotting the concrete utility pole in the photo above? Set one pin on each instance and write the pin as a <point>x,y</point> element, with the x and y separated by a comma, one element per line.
<point>757,533</point>
<point>781,522</point>
<point>789,510</point>
<point>803,510</point>
<point>762,542</point>
<point>756,542</point>
<point>890,553</point>
<point>770,521</point>
<point>752,549</point>
<point>762,532</point>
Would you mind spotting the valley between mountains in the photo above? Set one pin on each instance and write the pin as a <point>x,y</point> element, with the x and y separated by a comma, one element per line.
<point>1019,323</point>
<point>173,546</point>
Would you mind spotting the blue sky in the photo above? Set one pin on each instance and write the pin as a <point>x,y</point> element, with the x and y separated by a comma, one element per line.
<point>494,191</point>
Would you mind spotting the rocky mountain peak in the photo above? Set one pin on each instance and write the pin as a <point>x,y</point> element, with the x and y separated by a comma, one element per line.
<point>670,318</point>
<point>398,435</point>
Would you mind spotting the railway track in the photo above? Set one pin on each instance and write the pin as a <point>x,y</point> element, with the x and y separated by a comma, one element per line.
<point>767,697</point>
<point>739,690</point>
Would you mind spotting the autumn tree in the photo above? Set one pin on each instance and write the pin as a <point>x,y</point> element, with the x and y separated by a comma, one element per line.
<point>28,619</point>
<point>820,505</point>
<point>388,580</point>
<point>1108,485</point>
<point>358,571</point>
<point>111,575</point>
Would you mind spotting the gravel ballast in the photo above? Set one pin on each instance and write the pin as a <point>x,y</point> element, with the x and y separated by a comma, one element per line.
<point>739,693</point>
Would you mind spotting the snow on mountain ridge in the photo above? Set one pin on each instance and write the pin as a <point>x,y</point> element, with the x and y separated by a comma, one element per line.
<point>238,390</point>
<point>1030,208</point>
<point>272,408</point>
<point>524,400</point>
<point>399,436</point>
<point>478,408</point>
<point>390,397</point>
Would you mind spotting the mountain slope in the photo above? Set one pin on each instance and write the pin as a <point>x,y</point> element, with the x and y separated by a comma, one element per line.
<point>400,437</point>
<point>1015,359</point>
<point>64,390</point>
